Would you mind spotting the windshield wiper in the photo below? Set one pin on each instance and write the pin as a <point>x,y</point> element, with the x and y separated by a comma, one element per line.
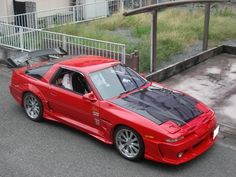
<point>127,91</point>
<point>138,88</point>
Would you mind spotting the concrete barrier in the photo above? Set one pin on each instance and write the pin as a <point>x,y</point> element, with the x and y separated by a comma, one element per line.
<point>176,68</point>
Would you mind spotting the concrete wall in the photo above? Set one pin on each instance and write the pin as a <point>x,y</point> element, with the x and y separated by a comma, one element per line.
<point>181,66</point>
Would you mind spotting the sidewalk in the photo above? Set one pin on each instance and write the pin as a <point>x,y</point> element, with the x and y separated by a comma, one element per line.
<point>214,83</point>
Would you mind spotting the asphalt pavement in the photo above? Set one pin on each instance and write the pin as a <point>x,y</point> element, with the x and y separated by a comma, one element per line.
<point>51,149</point>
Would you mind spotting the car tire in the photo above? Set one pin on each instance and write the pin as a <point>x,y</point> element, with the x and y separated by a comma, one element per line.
<point>129,143</point>
<point>33,107</point>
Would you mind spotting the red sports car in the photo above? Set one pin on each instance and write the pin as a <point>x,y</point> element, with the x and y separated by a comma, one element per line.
<point>114,104</point>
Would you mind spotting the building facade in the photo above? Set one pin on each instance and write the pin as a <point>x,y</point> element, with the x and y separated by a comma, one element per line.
<point>13,7</point>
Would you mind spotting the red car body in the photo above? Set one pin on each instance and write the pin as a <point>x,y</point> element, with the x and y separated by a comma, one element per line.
<point>167,142</point>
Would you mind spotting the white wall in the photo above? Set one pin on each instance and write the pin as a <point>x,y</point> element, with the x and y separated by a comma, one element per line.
<point>6,8</point>
<point>93,10</point>
<point>3,9</point>
<point>49,4</point>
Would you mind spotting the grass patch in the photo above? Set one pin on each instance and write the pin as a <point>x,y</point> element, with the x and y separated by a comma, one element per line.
<point>177,29</point>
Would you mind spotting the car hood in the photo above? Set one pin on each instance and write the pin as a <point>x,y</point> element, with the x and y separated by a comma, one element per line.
<point>160,105</point>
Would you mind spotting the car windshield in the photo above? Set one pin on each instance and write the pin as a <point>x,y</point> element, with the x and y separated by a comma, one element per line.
<point>116,80</point>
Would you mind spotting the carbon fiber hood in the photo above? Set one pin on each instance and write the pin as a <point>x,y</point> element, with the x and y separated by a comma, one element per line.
<point>161,105</point>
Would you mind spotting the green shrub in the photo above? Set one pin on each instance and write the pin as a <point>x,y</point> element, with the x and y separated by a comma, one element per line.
<point>177,29</point>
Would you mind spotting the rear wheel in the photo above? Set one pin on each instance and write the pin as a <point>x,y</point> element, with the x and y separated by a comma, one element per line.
<point>33,107</point>
<point>129,143</point>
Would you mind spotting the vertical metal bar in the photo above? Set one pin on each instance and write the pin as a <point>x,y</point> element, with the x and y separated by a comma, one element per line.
<point>11,38</point>
<point>153,61</point>
<point>25,21</point>
<point>28,20</point>
<point>84,46</point>
<point>19,20</point>
<point>73,46</point>
<point>73,13</point>
<point>206,26</point>
<point>106,50</point>
<point>38,44</point>
<point>99,48</point>
<point>21,38</point>
<point>123,55</point>
<point>30,32</point>
<point>54,39</point>
<point>27,40</point>
<point>114,51</point>
<point>77,46</point>
<point>50,36</point>
<point>36,20</point>
<point>86,50</point>
<point>92,47</point>
<point>36,40</point>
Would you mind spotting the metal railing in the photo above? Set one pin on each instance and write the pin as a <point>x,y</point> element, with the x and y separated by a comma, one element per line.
<point>65,15</point>
<point>28,39</point>
<point>74,14</point>
<point>134,4</point>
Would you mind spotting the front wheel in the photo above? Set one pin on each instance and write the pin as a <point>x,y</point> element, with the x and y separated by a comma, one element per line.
<point>129,143</point>
<point>33,107</point>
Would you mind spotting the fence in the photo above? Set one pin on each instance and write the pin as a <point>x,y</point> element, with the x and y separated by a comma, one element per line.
<point>74,14</point>
<point>28,39</point>
<point>71,14</point>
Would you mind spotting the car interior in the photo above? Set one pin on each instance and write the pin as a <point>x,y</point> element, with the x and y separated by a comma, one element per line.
<point>71,80</point>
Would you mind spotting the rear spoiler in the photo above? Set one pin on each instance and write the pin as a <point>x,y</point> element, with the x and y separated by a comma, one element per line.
<point>25,57</point>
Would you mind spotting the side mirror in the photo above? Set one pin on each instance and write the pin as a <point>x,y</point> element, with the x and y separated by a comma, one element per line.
<point>90,97</point>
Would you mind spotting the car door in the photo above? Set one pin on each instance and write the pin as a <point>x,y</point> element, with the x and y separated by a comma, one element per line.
<point>69,106</point>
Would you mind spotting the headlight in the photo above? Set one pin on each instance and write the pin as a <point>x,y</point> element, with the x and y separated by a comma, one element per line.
<point>174,140</point>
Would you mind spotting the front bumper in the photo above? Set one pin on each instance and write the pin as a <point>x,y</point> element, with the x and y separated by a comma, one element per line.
<point>190,150</point>
<point>185,150</point>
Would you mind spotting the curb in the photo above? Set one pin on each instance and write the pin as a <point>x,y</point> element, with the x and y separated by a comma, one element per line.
<point>227,129</point>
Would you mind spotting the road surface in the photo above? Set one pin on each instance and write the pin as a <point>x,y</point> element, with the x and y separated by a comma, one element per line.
<point>51,149</point>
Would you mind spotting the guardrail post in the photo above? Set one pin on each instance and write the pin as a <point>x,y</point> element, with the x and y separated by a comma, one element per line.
<point>123,59</point>
<point>21,38</point>
<point>153,61</point>
<point>64,45</point>
<point>36,20</point>
<point>206,26</point>
<point>73,13</point>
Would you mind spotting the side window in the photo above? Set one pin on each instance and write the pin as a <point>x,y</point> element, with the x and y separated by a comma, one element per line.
<point>71,80</point>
